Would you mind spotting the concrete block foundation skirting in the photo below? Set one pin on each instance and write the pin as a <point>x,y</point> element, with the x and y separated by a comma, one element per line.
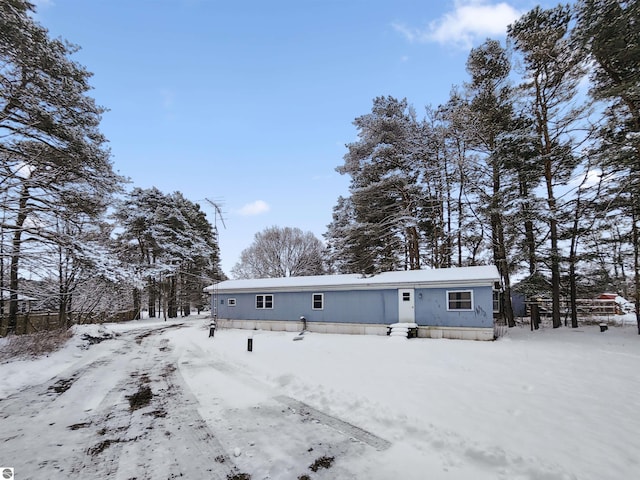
<point>457,333</point>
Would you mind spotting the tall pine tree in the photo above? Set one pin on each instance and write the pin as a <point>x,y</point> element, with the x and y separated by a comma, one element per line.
<point>491,109</point>
<point>52,152</point>
<point>551,72</point>
<point>384,188</point>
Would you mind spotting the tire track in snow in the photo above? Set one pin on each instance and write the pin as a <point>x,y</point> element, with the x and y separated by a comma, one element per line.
<point>346,428</point>
<point>166,439</point>
<point>41,395</point>
<point>34,398</point>
<point>194,436</point>
<point>303,409</point>
<point>89,429</point>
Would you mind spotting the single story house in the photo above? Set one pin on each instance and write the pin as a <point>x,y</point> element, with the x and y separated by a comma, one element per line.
<point>444,303</point>
<point>24,302</point>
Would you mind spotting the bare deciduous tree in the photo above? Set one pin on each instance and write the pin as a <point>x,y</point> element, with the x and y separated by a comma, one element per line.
<point>281,252</point>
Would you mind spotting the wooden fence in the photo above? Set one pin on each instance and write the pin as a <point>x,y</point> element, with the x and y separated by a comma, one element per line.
<point>45,321</point>
<point>585,307</point>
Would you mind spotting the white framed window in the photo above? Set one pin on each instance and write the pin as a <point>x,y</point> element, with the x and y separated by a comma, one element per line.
<point>317,301</point>
<point>460,300</point>
<point>264,301</point>
<point>496,301</point>
<point>231,302</point>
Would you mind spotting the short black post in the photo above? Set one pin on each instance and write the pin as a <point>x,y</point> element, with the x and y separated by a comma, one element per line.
<point>212,329</point>
<point>249,344</point>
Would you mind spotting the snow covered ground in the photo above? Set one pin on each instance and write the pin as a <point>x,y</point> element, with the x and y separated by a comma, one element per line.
<point>549,405</point>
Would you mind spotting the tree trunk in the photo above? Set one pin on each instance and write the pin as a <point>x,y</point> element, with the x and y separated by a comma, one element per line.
<point>414,248</point>
<point>555,275</point>
<point>151,303</point>
<point>529,235</point>
<point>185,295</point>
<point>2,273</point>
<point>137,303</point>
<point>69,313</point>
<point>15,260</point>
<point>172,301</point>
<point>636,260</point>
<point>573,291</point>
<point>162,300</point>
<point>499,249</point>
<point>62,310</point>
<point>554,254</point>
<point>503,268</point>
<point>573,260</point>
<point>535,316</point>
<point>62,293</point>
<point>460,212</point>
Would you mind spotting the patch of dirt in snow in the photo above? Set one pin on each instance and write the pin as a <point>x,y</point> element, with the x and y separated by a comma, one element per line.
<point>93,340</point>
<point>322,462</point>
<point>62,385</point>
<point>100,447</point>
<point>140,337</point>
<point>141,398</point>
<point>78,426</point>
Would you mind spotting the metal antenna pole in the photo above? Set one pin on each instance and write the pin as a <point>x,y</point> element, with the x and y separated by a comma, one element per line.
<point>216,211</point>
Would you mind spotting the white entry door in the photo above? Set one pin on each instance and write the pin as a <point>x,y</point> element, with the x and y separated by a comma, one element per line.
<point>406,306</point>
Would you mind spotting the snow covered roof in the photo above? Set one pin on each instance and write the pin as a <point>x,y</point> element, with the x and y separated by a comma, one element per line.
<point>6,295</point>
<point>440,277</point>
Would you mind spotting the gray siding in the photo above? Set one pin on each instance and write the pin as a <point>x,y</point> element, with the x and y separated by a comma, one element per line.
<point>431,309</point>
<point>361,306</point>
<point>366,306</point>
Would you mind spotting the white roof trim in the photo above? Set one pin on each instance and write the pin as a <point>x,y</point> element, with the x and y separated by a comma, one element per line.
<point>432,278</point>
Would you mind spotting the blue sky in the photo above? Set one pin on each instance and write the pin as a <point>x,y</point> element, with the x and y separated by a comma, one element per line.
<point>250,103</point>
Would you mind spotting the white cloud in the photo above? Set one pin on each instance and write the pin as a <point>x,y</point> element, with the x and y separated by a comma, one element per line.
<point>470,20</point>
<point>255,208</point>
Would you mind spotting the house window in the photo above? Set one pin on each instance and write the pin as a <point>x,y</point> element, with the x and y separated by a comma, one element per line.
<point>264,301</point>
<point>231,302</point>
<point>317,301</point>
<point>460,300</point>
<point>406,296</point>
<point>496,301</point>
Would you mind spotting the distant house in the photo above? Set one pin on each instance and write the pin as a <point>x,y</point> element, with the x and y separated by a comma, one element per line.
<point>444,303</point>
<point>24,302</point>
